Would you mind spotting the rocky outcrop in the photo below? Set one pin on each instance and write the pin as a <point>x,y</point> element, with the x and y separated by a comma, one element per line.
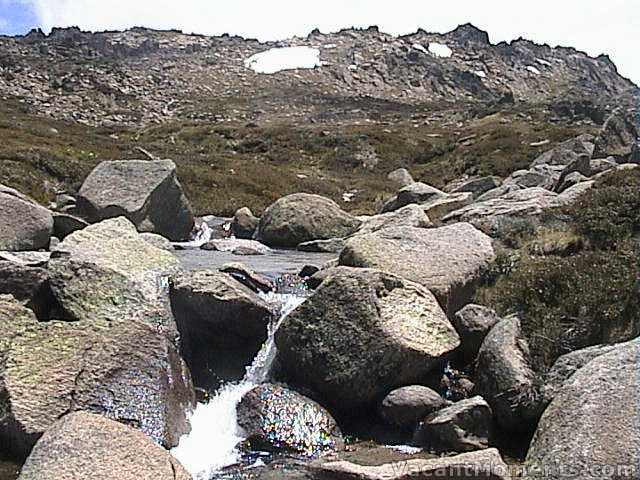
<point>446,260</point>
<point>505,379</point>
<point>83,445</point>
<point>473,323</point>
<point>477,186</point>
<point>439,207</point>
<point>24,225</point>
<point>480,465</point>
<point>465,426</point>
<point>617,138</point>
<point>121,368</point>
<point>413,193</point>
<point>147,193</point>
<point>590,429</point>
<point>222,324</point>
<point>303,217</point>
<point>361,334</point>
<point>277,419</point>
<point>409,216</point>
<point>406,406</point>
<point>244,224</point>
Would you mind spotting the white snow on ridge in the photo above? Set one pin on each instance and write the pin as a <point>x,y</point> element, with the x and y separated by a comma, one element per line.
<point>286,58</point>
<point>480,73</point>
<point>533,69</point>
<point>543,62</point>
<point>419,47</point>
<point>440,50</point>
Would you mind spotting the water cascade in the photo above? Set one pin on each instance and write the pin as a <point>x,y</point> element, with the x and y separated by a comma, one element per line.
<point>211,444</point>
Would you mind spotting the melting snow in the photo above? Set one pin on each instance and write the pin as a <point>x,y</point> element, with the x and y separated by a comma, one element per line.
<point>417,46</point>
<point>480,73</point>
<point>440,50</point>
<point>533,69</point>
<point>287,58</point>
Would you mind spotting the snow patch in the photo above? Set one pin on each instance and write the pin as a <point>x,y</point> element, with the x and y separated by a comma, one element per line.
<point>543,62</point>
<point>533,69</point>
<point>480,73</point>
<point>419,47</point>
<point>440,50</point>
<point>353,68</point>
<point>330,46</point>
<point>286,58</point>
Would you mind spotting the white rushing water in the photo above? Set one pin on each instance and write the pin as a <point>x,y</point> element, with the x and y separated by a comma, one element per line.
<point>211,444</point>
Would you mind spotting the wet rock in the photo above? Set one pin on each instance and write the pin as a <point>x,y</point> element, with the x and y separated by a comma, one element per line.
<point>222,324</point>
<point>303,217</point>
<point>480,465</point>
<point>332,245</point>
<point>157,241</point>
<point>505,379</point>
<point>409,216</point>
<point>473,323</point>
<point>406,406</point>
<point>361,334</point>
<point>122,368</point>
<point>83,445</point>
<point>617,137</point>
<point>254,281</point>
<point>415,193</point>
<point>244,224</point>
<point>464,426</point>
<point>107,270</point>
<point>29,285</point>
<point>401,178</point>
<point>277,419</point>
<point>569,364</point>
<point>446,260</point>
<point>148,193</point>
<point>233,244</point>
<point>65,224</point>
<point>589,429</point>
<point>478,186</point>
<point>24,225</point>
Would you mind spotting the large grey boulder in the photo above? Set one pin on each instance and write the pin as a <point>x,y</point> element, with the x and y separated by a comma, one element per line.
<point>617,137</point>
<point>303,217</point>
<point>401,178</point>
<point>447,260</point>
<point>363,333</point>
<point>275,418</point>
<point>244,224</point>
<point>83,445</point>
<point>590,429</point>
<point>148,193</point>
<point>439,207</point>
<point>24,225</point>
<point>569,364</point>
<point>464,426</point>
<point>414,193</point>
<point>109,270</point>
<point>122,368</point>
<point>477,186</point>
<point>409,216</point>
<point>406,406</point>
<point>480,465</point>
<point>217,316</point>
<point>473,323</point>
<point>504,377</point>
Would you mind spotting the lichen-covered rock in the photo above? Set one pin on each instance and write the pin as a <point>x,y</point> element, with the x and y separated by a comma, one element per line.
<point>24,225</point>
<point>363,333</point>
<point>83,445</point>
<point>29,285</point>
<point>303,217</point>
<point>462,427</point>
<point>447,260</point>
<point>278,419</point>
<point>157,241</point>
<point>504,377</point>
<point>590,430</point>
<point>148,193</point>
<point>406,406</point>
<point>122,368</point>
<point>439,207</point>
<point>409,216</point>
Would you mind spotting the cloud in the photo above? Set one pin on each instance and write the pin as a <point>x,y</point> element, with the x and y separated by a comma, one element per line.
<point>590,25</point>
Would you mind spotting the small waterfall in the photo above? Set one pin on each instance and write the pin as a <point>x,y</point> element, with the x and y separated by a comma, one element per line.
<point>201,235</point>
<point>211,445</point>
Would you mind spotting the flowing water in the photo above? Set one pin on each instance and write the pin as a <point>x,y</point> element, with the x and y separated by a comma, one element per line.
<point>215,434</point>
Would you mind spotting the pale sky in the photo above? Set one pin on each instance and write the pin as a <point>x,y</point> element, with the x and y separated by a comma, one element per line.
<point>594,26</point>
